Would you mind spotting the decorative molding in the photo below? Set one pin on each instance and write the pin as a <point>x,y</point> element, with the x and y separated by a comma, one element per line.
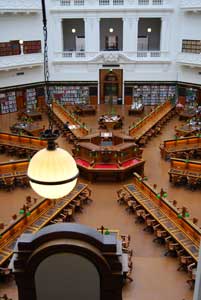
<point>189,59</point>
<point>22,5</point>
<point>191,4</point>
<point>21,61</point>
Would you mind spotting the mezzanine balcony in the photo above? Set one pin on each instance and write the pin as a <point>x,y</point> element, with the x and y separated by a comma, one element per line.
<point>21,61</point>
<point>189,59</point>
<point>110,4</point>
<point>191,5</point>
<point>112,57</point>
<point>20,6</point>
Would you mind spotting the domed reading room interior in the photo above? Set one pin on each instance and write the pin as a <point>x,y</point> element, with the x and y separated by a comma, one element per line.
<point>100,149</point>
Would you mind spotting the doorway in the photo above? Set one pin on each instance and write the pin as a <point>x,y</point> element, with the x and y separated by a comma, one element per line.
<point>111,86</point>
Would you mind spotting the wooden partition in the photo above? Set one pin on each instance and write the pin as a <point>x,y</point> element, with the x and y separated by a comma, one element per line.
<point>14,168</point>
<point>179,145</point>
<point>76,127</point>
<point>22,141</point>
<point>39,216</point>
<point>185,168</point>
<point>186,233</point>
<point>143,126</point>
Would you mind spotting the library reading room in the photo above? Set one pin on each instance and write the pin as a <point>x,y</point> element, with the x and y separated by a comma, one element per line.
<point>100,149</point>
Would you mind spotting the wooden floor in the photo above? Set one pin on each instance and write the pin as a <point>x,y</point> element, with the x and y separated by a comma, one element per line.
<point>155,276</point>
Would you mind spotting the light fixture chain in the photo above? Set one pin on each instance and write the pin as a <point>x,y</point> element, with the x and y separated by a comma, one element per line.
<point>46,67</point>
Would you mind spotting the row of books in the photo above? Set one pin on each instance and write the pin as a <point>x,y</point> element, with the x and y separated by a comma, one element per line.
<point>153,94</point>
<point>8,102</point>
<point>31,100</point>
<point>70,94</point>
<point>14,48</point>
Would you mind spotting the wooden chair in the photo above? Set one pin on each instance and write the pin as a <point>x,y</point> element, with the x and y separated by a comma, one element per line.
<point>140,215</point>
<point>160,234</point>
<point>150,223</point>
<point>184,261</point>
<point>172,247</point>
<point>192,183</point>
<point>9,183</point>
<point>192,269</point>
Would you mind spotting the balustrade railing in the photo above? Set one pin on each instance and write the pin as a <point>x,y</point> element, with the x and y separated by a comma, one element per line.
<point>107,3</point>
<point>111,55</point>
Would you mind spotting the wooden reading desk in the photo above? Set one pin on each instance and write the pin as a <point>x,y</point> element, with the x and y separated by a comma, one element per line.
<point>85,109</point>
<point>26,128</point>
<point>21,141</point>
<point>32,114</point>
<point>64,116</point>
<point>185,168</point>
<point>179,145</point>
<point>182,230</point>
<point>143,126</point>
<point>14,168</point>
<point>40,215</point>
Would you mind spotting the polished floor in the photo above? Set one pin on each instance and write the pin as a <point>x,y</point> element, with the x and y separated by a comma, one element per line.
<point>155,276</point>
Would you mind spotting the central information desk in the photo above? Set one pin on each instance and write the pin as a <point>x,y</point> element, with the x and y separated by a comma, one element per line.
<point>108,157</point>
<point>181,230</point>
<point>180,145</point>
<point>142,127</point>
<point>64,117</point>
<point>39,216</point>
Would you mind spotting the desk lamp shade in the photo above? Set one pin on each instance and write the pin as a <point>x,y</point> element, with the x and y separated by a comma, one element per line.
<point>52,173</point>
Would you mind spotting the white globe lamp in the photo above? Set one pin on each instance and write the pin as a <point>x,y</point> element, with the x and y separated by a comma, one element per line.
<point>52,172</point>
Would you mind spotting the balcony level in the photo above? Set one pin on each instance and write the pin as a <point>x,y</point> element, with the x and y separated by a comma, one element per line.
<point>112,57</point>
<point>191,5</point>
<point>21,61</point>
<point>20,6</point>
<point>111,4</point>
<point>189,59</point>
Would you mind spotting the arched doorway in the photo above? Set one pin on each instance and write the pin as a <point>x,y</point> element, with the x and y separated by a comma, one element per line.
<point>110,86</point>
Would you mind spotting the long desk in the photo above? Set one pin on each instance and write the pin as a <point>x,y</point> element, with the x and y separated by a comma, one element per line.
<point>22,141</point>
<point>75,126</point>
<point>188,130</point>
<point>40,215</point>
<point>26,128</point>
<point>142,127</point>
<point>185,168</point>
<point>182,230</point>
<point>179,145</point>
<point>14,168</point>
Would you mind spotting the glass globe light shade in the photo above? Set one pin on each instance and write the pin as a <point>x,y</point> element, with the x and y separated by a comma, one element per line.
<point>52,174</point>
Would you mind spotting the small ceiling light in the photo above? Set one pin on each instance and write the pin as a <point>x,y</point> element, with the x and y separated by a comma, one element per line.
<point>111,30</point>
<point>149,29</point>
<point>21,42</point>
<point>73,30</point>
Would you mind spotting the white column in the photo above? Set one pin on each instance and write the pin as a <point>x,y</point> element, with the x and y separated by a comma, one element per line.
<point>92,34</point>
<point>130,34</point>
<point>197,291</point>
<point>58,35</point>
<point>165,36</point>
